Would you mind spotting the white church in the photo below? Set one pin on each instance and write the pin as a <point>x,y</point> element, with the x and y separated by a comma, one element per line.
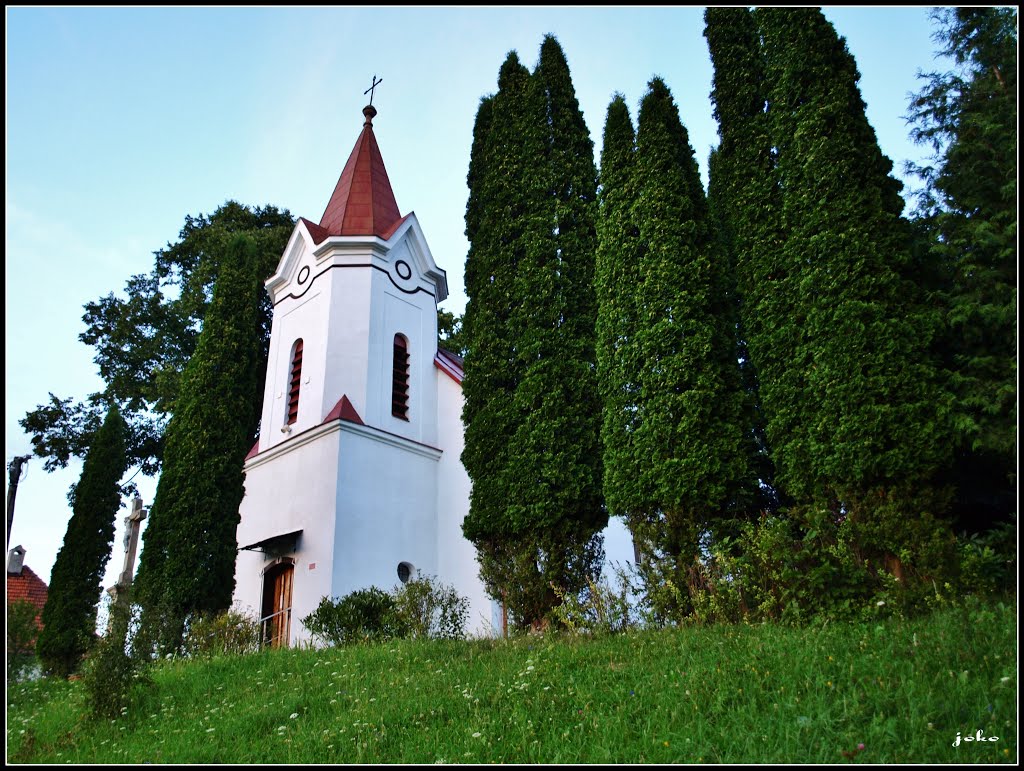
<point>356,479</point>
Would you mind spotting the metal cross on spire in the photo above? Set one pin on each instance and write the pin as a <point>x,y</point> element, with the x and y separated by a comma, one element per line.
<point>373,85</point>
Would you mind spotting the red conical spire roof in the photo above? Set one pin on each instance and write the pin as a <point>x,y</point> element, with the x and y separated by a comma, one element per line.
<point>363,203</point>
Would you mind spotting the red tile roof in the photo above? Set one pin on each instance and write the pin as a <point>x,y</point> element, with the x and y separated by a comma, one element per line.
<point>27,586</point>
<point>319,234</point>
<point>450,364</point>
<point>344,410</point>
<point>363,203</point>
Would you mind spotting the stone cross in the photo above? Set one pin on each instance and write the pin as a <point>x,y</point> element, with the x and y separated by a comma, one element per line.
<point>133,523</point>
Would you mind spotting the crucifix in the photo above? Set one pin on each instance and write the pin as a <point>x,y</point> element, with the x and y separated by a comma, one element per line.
<point>373,85</point>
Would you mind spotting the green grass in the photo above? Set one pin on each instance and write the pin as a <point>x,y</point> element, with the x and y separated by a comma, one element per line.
<point>726,694</point>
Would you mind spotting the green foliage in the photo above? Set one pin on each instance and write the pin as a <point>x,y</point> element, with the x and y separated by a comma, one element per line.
<point>449,332</point>
<point>69,616</point>
<point>968,213</point>
<point>532,574</point>
<point>144,340</point>
<point>427,609</point>
<point>113,679</point>
<point>772,572</point>
<point>675,427</point>
<point>988,562</point>
<point>603,608</point>
<point>619,254</point>
<point>421,608</point>
<point>661,582</point>
<point>856,410</point>
<point>535,506</point>
<point>365,615</point>
<point>776,570</point>
<point>22,629</point>
<point>188,557</point>
<point>221,634</point>
<point>743,203</point>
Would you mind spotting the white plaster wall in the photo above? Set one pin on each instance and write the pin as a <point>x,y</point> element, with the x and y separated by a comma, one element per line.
<point>403,306</point>
<point>414,316</point>
<point>385,503</point>
<point>304,318</point>
<point>618,546</point>
<point>347,331</point>
<point>456,555</point>
<point>286,489</point>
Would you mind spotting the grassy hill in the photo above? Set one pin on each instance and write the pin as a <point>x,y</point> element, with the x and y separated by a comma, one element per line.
<point>902,690</point>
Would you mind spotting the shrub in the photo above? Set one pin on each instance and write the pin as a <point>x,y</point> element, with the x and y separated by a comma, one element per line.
<point>601,608</point>
<point>816,565</point>
<point>365,615</point>
<point>420,608</point>
<point>113,680</point>
<point>988,561</point>
<point>21,637</point>
<point>425,609</point>
<point>226,633</point>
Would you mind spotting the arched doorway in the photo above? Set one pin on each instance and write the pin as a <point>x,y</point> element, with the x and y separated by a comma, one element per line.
<point>277,603</point>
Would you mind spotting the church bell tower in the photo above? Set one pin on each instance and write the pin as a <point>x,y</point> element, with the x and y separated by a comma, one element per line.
<point>355,480</point>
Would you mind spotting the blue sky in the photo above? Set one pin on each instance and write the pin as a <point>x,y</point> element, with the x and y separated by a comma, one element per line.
<point>120,121</point>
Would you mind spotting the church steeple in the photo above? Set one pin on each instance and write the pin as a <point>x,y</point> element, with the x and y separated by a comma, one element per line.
<point>363,203</point>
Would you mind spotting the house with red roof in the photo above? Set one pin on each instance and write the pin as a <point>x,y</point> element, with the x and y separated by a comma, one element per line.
<point>23,584</point>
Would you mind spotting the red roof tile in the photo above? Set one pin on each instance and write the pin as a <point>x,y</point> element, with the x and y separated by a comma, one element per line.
<point>363,203</point>
<point>27,586</point>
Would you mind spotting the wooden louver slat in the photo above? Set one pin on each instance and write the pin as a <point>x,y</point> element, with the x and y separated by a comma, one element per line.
<point>400,379</point>
<point>294,383</point>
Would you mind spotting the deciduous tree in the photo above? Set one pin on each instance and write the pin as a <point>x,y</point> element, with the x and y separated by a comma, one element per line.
<point>144,338</point>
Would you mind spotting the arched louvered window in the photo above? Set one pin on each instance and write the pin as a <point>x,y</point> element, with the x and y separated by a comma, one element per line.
<point>293,383</point>
<point>400,379</point>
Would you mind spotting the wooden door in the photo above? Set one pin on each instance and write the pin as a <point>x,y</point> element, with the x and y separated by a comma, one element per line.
<point>277,606</point>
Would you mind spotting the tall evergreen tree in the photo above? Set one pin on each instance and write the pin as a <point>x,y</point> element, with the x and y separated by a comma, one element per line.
<point>69,616</point>
<point>535,507</point>
<point>687,441</point>
<point>619,256</point>
<point>969,209</point>
<point>188,558</point>
<point>743,202</point>
<point>857,418</point>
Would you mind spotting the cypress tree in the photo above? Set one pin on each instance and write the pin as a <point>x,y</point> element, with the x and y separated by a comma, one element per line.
<point>69,616</point>
<point>497,217</point>
<point>857,418</point>
<point>619,256</point>
<point>188,558</point>
<point>743,202</point>
<point>559,438</point>
<point>529,325</point>
<point>969,211</point>
<point>688,447</point>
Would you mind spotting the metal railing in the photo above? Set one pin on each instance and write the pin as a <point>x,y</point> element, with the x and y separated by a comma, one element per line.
<point>275,629</point>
